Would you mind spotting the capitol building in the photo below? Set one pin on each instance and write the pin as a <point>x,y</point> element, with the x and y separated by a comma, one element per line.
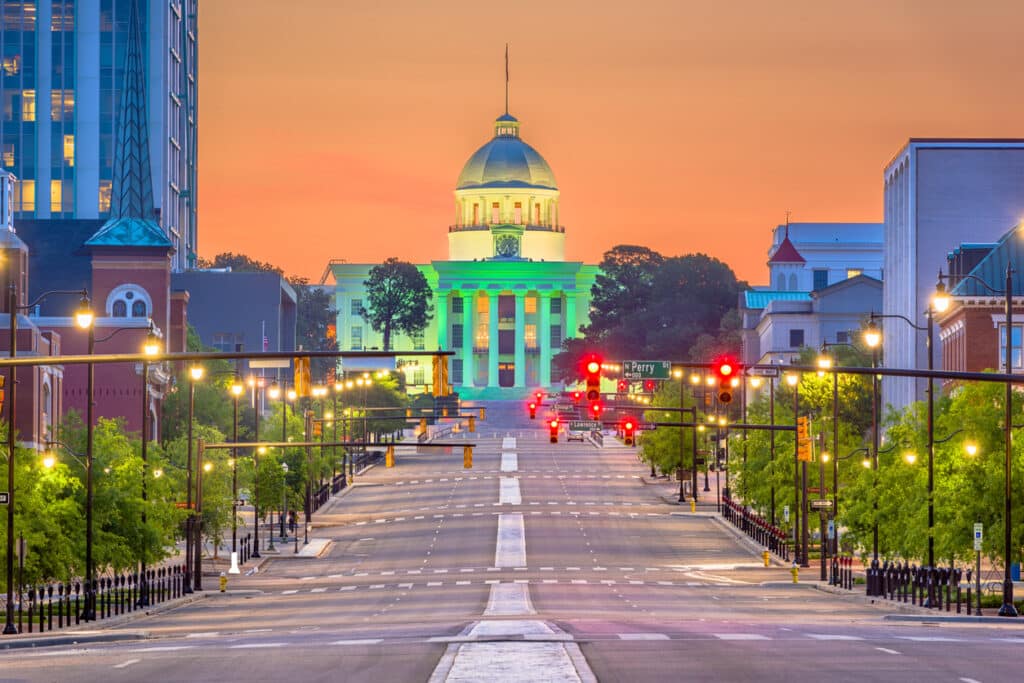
<point>506,297</point>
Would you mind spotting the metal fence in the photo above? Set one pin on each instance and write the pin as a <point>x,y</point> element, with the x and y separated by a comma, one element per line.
<point>756,527</point>
<point>933,587</point>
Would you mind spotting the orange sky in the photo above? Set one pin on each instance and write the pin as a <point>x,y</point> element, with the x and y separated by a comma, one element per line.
<point>337,129</point>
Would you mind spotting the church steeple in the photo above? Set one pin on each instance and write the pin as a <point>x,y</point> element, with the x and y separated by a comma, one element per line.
<point>132,215</point>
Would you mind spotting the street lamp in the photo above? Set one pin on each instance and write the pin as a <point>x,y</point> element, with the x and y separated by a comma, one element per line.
<point>941,299</point>
<point>151,347</point>
<point>236,389</point>
<point>873,338</point>
<point>934,305</point>
<point>801,530</point>
<point>12,412</point>
<point>193,525</point>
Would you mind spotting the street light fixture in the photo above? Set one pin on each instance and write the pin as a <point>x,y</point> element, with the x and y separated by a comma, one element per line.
<point>236,389</point>
<point>941,298</point>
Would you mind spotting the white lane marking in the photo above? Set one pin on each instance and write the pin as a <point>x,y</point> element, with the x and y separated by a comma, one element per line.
<point>255,646</point>
<point>205,634</point>
<point>509,462</point>
<point>125,664</point>
<point>508,443</point>
<point>887,651</point>
<point>163,648</point>
<point>509,493</point>
<point>643,636</point>
<point>318,590</point>
<point>930,639</point>
<point>510,550</point>
<point>509,599</point>
<point>829,636</point>
<point>289,592</point>
<point>740,636</point>
<point>970,680</point>
<point>363,641</point>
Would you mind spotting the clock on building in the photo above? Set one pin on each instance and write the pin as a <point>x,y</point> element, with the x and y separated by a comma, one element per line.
<point>507,245</point>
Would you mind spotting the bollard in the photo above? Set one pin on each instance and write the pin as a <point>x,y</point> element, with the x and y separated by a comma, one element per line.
<point>795,571</point>
<point>693,505</point>
<point>767,558</point>
<point>223,582</point>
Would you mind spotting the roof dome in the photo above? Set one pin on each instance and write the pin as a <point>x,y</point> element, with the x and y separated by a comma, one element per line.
<point>506,161</point>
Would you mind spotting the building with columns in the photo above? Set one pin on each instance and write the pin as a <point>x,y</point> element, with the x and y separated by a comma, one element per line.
<point>506,298</point>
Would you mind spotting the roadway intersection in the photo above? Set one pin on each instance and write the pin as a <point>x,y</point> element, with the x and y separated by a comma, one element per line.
<point>543,562</point>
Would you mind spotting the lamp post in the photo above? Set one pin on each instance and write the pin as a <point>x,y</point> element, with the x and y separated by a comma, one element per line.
<point>150,348</point>
<point>801,530</point>
<point>937,304</point>
<point>201,468</point>
<point>338,388</point>
<point>941,302</point>
<point>12,412</point>
<point>195,373</point>
<point>873,338</point>
<point>236,389</point>
<point>256,385</point>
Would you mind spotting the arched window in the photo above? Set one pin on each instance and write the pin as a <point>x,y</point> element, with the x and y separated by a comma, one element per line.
<point>780,283</point>
<point>792,282</point>
<point>129,300</point>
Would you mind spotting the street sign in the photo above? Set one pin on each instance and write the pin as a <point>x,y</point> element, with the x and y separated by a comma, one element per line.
<point>831,528</point>
<point>646,369</point>
<point>785,513</point>
<point>763,372</point>
<point>584,426</point>
<point>978,535</point>
<point>4,499</point>
<point>240,502</point>
<point>644,427</point>
<point>821,504</point>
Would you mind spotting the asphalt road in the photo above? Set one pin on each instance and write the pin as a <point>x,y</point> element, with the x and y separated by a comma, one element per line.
<point>543,562</point>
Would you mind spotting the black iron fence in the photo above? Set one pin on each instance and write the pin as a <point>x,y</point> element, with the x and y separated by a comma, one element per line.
<point>933,587</point>
<point>54,606</point>
<point>756,527</point>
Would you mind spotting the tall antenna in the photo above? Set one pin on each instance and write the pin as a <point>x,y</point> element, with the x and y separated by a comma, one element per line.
<point>787,222</point>
<point>506,78</point>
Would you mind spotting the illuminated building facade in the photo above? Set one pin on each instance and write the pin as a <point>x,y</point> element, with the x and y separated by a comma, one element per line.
<point>61,82</point>
<point>506,297</point>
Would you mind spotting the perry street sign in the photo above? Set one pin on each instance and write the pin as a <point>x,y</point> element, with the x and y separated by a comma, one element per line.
<point>584,426</point>
<point>646,369</point>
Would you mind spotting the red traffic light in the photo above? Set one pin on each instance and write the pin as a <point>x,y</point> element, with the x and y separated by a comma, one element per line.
<point>727,370</point>
<point>554,424</point>
<point>595,408</point>
<point>576,396</point>
<point>533,409</point>
<point>554,430</point>
<point>623,386</point>
<point>628,429</point>
<point>628,425</point>
<point>593,367</point>
<point>649,385</point>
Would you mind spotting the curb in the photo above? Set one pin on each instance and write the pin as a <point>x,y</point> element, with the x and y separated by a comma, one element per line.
<point>71,638</point>
<point>964,619</point>
<point>746,541</point>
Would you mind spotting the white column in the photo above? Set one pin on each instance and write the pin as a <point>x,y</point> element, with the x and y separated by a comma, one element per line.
<point>468,334</point>
<point>520,340</point>
<point>441,313</point>
<point>492,340</point>
<point>571,329</point>
<point>544,332</point>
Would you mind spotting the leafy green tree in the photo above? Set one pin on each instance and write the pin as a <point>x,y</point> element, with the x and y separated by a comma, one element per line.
<point>399,297</point>
<point>316,320</point>
<point>239,263</point>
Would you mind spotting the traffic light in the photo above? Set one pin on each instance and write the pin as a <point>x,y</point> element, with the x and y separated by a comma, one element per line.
<point>467,457</point>
<point>532,405</point>
<point>803,439</point>
<point>592,371</point>
<point>318,428</point>
<point>302,381</point>
<point>554,430</point>
<point>576,396</point>
<point>628,429</point>
<point>649,386</point>
<point>727,371</point>
<point>3,383</point>
<point>623,386</point>
<point>595,410</point>
<point>539,395</point>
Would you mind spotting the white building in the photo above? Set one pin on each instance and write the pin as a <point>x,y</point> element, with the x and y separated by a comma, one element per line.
<point>824,278</point>
<point>60,85</point>
<point>506,297</point>
<point>938,194</point>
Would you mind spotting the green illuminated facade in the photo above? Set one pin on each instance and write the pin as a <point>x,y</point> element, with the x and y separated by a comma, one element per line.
<point>506,298</point>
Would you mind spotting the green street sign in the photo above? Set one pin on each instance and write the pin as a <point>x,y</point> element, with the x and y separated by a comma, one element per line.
<point>584,426</point>
<point>646,369</point>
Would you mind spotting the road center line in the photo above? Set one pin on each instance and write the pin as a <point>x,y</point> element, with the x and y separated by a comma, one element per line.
<point>509,462</point>
<point>509,493</point>
<point>125,664</point>
<point>510,550</point>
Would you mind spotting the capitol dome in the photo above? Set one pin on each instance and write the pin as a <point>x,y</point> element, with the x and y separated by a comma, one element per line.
<point>506,162</point>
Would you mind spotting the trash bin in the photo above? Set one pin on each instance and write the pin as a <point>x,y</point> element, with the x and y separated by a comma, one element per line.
<point>1015,571</point>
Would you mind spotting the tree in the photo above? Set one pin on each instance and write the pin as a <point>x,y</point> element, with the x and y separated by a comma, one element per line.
<point>315,323</point>
<point>399,298</point>
<point>239,263</point>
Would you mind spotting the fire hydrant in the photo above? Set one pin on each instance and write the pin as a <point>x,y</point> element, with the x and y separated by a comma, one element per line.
<point>223,582</point>
<point>693,505</point>
<point>795,571</point>
<point>766,556</point>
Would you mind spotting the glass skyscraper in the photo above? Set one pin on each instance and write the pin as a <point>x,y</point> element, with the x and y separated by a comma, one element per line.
<point>62,73</point>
